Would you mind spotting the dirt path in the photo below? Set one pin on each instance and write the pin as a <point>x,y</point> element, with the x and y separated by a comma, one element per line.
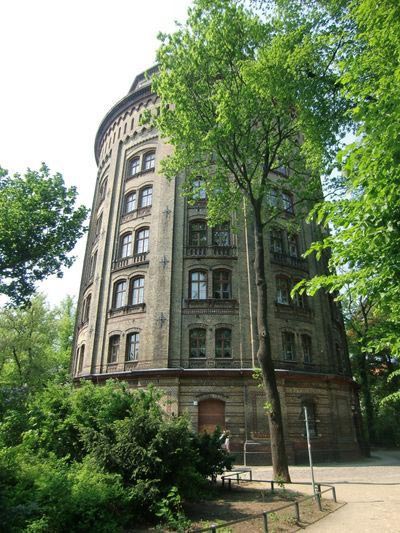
<point>370,487</point>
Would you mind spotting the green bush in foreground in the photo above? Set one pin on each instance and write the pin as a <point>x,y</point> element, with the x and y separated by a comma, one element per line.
<point>99,458</point>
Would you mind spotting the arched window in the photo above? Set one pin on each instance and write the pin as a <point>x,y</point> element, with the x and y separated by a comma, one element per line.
<point>146,197</point>
<point>102,190</point>
<point>113,348</point>
<point>132,347</point>
<point>130,202</point>
<point>149,160</point>
<point>283,290</point>
<point>197,342</point>
<point>125,249</point>
<point>222,288</point>
<point>198,233</point>
<point>136,291</point>
<point>293,245</point>
<point>306,347</point>
<point>119,294</point>
<point>92,267</point>
<point>81,356</point>
<point>98,225</point>
<point>288,346</point>
<point>134,166</point>
<point>198,285</point>
<point>223,342</point>
<point>221,235</point>
<point>287,201</point>
<point>277,241</point>
<point>86,308</point>
<point>142,241</point>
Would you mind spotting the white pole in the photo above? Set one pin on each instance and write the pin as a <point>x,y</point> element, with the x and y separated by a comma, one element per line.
<point>309,449</point>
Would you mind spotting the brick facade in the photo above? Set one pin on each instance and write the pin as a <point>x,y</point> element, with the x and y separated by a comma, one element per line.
<point>167,300</point>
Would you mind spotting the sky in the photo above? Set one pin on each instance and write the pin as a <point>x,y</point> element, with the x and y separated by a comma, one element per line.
<point>64,64</point>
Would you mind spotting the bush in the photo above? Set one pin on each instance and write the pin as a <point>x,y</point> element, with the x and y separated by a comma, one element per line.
<point>100,458</point>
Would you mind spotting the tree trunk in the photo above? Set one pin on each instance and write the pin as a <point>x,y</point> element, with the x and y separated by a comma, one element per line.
<point>264,356</point>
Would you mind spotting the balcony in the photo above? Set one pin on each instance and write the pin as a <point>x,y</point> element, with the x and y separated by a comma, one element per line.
<point>136,259</point>
<point>127,309</point>
<point>286,310</point>
<point>290,261</point>
<point>138,174</point>
<point>213,306</point>
<point>211,251</point>
<point>137,213</point>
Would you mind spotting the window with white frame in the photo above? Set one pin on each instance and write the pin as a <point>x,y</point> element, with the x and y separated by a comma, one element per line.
<point>119,294</point>
<point>149,160</point>
<point>198,285</point>
<point>146,197</point>
<point>137,290</point>
<point>282,290</point>
<point>142,241</point>
<point>134,166</point>
<point>289,346</point>
<point>132,346</point>
<point>113,348</point>
<point>125,245</point>
<point>130,202</point>
<point>277,241</point>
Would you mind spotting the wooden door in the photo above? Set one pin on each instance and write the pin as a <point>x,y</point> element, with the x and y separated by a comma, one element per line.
<point>211,415</point>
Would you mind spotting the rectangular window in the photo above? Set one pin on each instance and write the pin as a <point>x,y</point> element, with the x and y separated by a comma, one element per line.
<point>198,285</point>
<point>113,349</point>
<point>283,291</point>
<point>149,161</point>
<point>197,340</point>
<point>289,347</point>
<point>306,347</point>
<point>293,247</point>
<point>132,347</point>
<point>276,241</point>
<point>221,235</point>
<point>223,342</point>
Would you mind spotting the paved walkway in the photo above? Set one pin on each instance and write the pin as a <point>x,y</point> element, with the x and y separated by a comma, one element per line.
<point>370,487</point>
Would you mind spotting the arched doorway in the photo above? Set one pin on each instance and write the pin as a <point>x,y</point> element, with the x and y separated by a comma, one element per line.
<point>211,415</point>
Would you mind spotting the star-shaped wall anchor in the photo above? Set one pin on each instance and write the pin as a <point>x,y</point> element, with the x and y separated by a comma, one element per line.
<point>164,261</point>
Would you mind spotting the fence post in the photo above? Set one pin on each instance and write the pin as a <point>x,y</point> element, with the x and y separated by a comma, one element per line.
<point>272,485</point>
<point>318,496</point>
<point>319,488</point>
<point>213,528</point>
<point>223,481</point>
<point>334,494</point>
<point>297,509</point>
<point>265,517</point>
<point>237,478</point>
<point>230,483</point>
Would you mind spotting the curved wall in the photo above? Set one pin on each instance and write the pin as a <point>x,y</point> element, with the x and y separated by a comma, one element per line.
<point>165,299</point>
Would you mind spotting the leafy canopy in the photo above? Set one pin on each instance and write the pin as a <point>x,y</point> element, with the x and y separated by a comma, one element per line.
<point>242,97</point>
<point>39,226</point>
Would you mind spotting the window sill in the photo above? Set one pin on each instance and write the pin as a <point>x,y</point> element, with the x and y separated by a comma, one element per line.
<point>136,213</point>
<point>127,309</point>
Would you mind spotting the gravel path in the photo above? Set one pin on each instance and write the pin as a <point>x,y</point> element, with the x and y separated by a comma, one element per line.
<point>370,487</point>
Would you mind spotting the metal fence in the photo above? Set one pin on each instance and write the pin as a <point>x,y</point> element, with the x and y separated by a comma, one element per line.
<point>235,475</point>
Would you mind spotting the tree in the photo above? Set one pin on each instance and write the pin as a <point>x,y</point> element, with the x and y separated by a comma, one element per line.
<point>365,242</point>
<point>242,98</point>
<point>35,343</point>
<point>39,226</point>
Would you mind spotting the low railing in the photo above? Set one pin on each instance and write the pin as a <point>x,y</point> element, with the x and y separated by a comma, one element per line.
<point>131,260</point>
<point>264,515</point>
<point>140,173</point>
<point>210,251</point>
<point>136,213</point>
<point>288,260</point>
<point>126,309</point>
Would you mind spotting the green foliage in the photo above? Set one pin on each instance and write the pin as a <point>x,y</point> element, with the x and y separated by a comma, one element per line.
<point>39,226</point>
<point>35,343</point>
<point>365,242</point>
<point>94,457</point>
<point>213,459</point>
